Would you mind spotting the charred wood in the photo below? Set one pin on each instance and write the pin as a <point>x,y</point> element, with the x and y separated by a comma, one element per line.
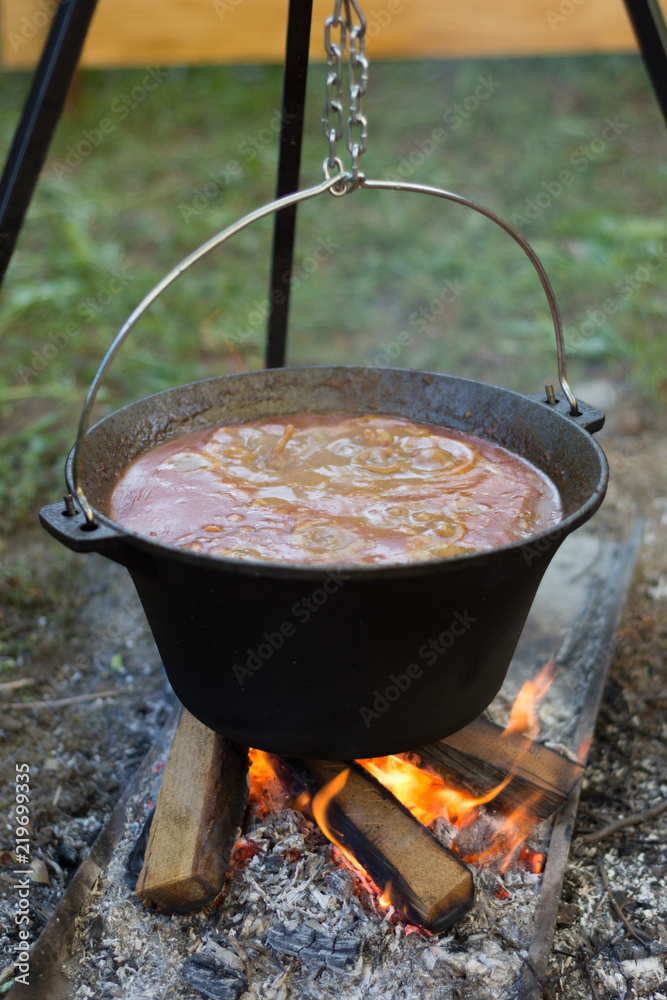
<point>316,948</point>
<point>481,757</point>
<point>212,980</point>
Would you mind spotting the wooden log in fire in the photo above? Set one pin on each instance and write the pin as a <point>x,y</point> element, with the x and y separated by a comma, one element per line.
<point>197,819</point>
<point>480,757</point>
<point>421,877</point>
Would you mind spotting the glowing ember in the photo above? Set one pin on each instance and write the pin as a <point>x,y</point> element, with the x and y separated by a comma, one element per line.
<point>266,791</point>
<point>385,898</point>
<point>507,843</point>
<point>245,850</point>
<point>533,860</point>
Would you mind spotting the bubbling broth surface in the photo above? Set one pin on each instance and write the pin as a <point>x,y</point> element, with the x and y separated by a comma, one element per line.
<point>333,489</point>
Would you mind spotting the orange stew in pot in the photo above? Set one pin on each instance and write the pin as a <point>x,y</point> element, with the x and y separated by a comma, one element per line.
<point>334,489</point>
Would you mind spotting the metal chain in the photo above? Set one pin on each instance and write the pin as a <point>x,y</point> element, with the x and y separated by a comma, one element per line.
<point>356,129</point>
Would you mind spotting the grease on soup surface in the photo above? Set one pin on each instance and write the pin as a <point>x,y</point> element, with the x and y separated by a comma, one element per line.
<point>333,489</point>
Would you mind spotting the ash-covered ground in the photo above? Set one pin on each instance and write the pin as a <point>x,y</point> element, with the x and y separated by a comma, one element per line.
<point>295,921</point>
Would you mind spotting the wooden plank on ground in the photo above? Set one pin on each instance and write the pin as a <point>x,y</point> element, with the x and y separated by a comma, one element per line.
<point>197,819</point>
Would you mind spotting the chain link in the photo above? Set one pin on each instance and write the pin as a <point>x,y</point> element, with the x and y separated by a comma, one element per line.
<point>356,128</point>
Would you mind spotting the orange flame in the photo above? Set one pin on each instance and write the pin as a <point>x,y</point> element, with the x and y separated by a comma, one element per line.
<point>261,772</point>
<point>320,803</point>
<point>266,791</point>
<point>523,717</point>
<point>429,797</point>
<point>385,898</point>
<point>426,795</point>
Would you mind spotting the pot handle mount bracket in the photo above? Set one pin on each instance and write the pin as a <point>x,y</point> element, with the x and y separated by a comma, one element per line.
<point>587,416</point>
<point>338,184</point>
<point>69,526</point>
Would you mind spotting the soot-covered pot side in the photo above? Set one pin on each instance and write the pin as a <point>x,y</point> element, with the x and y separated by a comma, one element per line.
<point>343,661</point>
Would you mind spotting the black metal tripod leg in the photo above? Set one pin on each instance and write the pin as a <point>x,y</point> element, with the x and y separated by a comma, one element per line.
<point>291,133</point>
<point>649,27</point>
<point>41,113</point>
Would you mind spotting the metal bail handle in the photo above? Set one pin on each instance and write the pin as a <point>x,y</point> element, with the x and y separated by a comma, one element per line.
<point>338,184</point>
<point>525,246</point>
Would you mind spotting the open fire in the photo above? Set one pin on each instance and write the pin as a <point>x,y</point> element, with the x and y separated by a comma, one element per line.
<point>452,812</point>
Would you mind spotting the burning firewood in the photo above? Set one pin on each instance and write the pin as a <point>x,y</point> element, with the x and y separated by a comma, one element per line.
<point>415,872</point>
<point>197,819</point>
<point>482,756</point>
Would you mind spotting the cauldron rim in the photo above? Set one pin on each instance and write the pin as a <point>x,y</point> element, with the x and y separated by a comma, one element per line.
<point>287,570</point>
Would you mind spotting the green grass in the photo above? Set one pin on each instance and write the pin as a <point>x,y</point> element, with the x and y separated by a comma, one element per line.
<point>429,282</point>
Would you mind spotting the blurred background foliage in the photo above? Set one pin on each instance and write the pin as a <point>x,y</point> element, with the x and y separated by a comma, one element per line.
<point>571,151</point>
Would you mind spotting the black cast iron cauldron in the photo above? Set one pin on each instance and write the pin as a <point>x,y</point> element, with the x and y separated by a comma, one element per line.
<point>338,661</point>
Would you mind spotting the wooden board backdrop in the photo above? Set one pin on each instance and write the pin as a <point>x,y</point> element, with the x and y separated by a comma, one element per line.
<point>189,32</point>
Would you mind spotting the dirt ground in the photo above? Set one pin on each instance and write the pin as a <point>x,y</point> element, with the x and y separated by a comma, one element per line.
<point>71,626</point>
